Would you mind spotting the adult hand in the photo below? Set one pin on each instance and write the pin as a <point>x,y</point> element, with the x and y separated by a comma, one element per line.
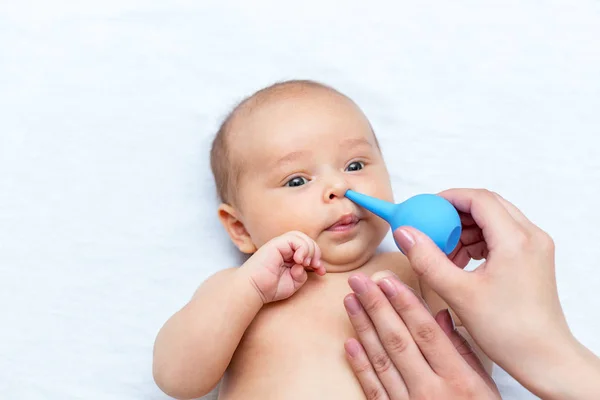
<point>406,353</point>
<point>510,304</point>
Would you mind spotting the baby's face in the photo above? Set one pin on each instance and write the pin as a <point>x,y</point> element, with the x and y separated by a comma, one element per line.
<point>299,154</point>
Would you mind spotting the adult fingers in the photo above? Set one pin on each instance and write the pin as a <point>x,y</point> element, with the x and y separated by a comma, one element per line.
<point>487,211</point>
<point>462,346</point>
<point>427,260</point>
<point>470,235</point>
<point>400,347</point>
<point>476,251</point>
<point>430,338</point>
<point>378,357</point>
<point>372,386</point>
<point>515,212</point>
<point>470,246</point>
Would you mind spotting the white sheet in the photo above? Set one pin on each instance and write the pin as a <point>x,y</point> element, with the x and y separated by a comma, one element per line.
<point>107,109</point>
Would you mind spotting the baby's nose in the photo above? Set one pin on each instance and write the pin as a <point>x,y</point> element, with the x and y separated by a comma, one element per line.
<point>336,190</point>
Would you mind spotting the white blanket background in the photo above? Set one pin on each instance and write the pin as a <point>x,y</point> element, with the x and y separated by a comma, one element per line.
<point>107,110</point>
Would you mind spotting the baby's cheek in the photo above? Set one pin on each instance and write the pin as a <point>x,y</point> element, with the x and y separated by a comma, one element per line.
<point>282,218</point>
<point>384,187</point>
<point>377,187</point>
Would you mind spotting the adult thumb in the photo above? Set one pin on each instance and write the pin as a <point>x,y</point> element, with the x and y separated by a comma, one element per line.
<point>432,265</point>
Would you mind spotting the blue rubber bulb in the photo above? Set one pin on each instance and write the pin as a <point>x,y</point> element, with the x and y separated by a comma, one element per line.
<point>431,214</point>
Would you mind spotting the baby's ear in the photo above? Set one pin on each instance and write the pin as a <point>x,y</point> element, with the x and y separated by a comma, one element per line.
<point>236,229</point>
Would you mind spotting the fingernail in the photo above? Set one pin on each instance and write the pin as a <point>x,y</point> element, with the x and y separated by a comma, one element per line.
<point>308,260</point>
<point>388,287</point>
<point>357,284</point>
<point>451,319</point>
<point>352,347</point>
<point>405,240</point>
<point>352,305</point>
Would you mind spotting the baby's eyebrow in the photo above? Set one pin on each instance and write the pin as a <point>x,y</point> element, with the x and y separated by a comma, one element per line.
<point>295,155</point>
<point>290,157</point>
<point>355,142</point>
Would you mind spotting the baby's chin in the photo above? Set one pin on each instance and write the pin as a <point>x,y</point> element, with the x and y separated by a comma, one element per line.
<point>343,254</point>
<point>347,257</point>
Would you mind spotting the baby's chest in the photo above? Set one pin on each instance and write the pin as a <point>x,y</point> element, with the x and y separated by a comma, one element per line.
<point>313,322</point>
<point>296,348</point>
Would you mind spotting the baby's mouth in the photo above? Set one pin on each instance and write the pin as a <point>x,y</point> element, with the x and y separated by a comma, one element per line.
<point>345,223</point>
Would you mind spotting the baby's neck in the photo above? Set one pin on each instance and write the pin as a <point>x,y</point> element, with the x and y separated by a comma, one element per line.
<point>335,282</point>
<point>350,265</point>
<point>368,267</point>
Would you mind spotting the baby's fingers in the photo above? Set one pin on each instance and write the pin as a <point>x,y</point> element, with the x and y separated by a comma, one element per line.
<point>317,258</point>
<point>305,252</point>
<point>316,264</point>
<point>298,273</point>
<point>295,249</point>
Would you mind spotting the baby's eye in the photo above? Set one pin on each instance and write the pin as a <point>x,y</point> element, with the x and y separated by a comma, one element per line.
<point>355,166</point>
<point>297,181</point>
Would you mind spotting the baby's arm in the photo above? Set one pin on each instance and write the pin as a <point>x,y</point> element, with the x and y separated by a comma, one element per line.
<point>195,346</point>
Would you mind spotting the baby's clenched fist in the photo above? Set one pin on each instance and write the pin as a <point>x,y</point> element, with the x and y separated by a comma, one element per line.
<point>279,268</point>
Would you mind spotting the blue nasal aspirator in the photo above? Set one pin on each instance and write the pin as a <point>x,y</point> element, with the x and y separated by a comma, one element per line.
<point>431,214</point>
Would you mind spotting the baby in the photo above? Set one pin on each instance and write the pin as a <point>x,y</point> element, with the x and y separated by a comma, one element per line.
<point>275,327</point>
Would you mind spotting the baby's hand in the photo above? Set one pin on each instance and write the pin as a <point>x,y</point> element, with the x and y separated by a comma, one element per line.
<point>278,269</point>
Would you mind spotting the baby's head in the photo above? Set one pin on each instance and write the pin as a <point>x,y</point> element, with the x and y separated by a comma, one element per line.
<point>283,160</point>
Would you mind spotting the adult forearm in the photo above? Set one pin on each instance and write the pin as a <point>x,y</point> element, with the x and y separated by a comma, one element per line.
<point>563,370</point>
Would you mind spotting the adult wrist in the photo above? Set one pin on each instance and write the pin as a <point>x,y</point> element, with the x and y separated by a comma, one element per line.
<point>565,369</point>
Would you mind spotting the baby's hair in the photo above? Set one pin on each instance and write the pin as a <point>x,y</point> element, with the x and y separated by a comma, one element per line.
<point>225,171</point>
